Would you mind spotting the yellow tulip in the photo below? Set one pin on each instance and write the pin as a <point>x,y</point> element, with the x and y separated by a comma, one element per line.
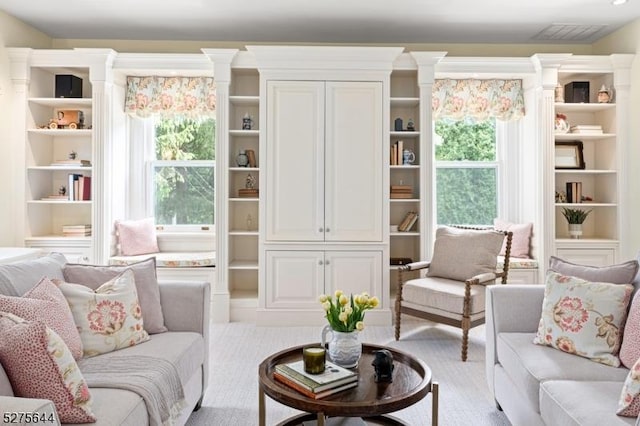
<point>323,298</point>
<point>374,302</point>
<point>348,310</point>
<point>343,299</point>
<point>343,317</point>
<point>326,305</point>
<point>359,326</point>
<point>339,293</point>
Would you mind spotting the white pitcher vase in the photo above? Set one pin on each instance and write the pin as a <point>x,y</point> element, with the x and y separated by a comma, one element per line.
<point>345,348</point>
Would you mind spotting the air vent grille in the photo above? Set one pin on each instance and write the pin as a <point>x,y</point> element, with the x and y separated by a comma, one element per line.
<point>568,32</point>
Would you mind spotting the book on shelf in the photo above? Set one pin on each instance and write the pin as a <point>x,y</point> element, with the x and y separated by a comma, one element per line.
<point>79,187</point>
<point>76,230</point>
<point>396,153</point>
<point>333,376</point>
<point>251,156</point>
<point>409,220</point>
<point>315,395</point>
<point>574,192</point>
<point>586,129</point>
<point>72,163</point>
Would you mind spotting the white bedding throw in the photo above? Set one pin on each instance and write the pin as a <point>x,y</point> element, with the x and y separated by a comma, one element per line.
<point>156,380</point>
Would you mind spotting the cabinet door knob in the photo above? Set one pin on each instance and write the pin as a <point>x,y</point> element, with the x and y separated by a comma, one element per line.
<point>320,229</point>
<point>326,262</point>
<point>327,230</point>
<point>319,262</point>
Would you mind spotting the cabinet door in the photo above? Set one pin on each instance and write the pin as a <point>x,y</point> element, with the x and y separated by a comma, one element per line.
<point>354,272</point>
<point>294,279</point>
<point>353,165</point>
<point>295,161</point>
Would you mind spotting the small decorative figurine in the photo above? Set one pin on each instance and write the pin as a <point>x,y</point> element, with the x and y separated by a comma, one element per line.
<point>249,222</point>
<point>397,125</point>
<point>247,122</point>
<point>73,155</point>
<point>603,95</point>
<point>383,366</point>
<point>411,125</point>
<point>250,182</point>
<point>62,190</point>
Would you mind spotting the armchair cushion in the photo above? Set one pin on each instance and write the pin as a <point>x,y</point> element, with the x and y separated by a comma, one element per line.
<point>445,296</point>
<point>460,254</point>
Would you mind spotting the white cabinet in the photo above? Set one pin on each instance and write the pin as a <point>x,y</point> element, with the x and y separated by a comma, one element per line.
<point>295,279</point>
<point>324,161</point>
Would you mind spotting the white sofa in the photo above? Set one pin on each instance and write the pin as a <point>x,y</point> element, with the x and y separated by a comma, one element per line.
<point>185,306</point>
<point>539,385</point>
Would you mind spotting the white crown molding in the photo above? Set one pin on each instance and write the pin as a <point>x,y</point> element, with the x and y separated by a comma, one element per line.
<point>164,64</point>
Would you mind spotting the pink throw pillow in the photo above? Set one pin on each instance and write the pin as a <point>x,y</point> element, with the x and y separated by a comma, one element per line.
<point>46,302</point>
<point>629,401</point>
<point>521,241</point>
<point>137,237</point>
<point>630,349</point>
<point>39,365</point>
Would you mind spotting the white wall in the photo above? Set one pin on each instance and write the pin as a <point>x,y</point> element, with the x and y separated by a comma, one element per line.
<point>627,40</point>
<point>13,33</point>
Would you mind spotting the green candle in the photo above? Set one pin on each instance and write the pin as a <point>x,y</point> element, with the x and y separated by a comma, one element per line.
<point>313,358</point>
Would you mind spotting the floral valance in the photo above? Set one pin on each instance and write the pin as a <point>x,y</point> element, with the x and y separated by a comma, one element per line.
<point>170,96</point>
<point>478,99</point>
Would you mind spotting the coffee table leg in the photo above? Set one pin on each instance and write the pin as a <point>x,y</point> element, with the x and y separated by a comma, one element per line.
<point>261,408</point>
<point>320,419</point>
<point>434,403</point>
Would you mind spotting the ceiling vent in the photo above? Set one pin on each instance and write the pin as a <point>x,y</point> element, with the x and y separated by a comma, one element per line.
<point>568,32</point>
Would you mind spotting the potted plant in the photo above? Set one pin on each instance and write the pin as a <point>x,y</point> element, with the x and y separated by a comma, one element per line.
<point>575,218</point>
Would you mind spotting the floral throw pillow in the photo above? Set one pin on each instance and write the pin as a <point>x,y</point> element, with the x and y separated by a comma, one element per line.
<point>629,402</point>
<point>583,318</point>
<point>40,365</point>
<point>108,318</point>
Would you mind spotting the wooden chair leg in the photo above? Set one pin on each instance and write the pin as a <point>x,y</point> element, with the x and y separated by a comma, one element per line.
<point>465,341</point>
<point>398,304</point>
<point>397,322</point>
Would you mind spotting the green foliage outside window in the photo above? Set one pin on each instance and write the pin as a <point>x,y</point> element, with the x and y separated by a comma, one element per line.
<point>466,195</point>
<point>184,194</point>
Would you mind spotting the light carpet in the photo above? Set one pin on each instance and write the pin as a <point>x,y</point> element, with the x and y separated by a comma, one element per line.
<point>238,348</point>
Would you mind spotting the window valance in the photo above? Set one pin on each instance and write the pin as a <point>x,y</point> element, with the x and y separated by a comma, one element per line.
<point>478,99</point>
<point>170,96</point>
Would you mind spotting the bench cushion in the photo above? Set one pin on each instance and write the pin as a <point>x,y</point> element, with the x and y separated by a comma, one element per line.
<point>171,259</point>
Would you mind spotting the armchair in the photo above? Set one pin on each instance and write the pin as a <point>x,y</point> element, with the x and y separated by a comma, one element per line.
<point>452,291</point>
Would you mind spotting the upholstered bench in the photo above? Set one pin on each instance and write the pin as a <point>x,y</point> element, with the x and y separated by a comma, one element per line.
<point>521,270</point>
<point>189,259</point>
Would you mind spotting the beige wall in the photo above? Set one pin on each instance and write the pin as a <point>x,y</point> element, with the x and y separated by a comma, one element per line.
<point>13,33</point>
<point>627,40</point>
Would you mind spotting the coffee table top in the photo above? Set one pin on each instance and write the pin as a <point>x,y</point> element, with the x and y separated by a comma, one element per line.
<point>411,383</point>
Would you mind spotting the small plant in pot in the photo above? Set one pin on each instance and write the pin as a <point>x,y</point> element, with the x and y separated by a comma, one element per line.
<point>575,218</point>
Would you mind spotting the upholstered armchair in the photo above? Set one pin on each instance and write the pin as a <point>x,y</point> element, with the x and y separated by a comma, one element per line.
<point>452,291</point>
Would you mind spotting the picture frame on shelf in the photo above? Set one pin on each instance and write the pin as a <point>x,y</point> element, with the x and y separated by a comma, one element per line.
<point>569,155</point>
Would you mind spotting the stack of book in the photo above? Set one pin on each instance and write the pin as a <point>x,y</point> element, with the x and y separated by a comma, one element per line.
<point>72,163</point>
<point>574,192</point>
<point>401,191</point>
<point>334,379</point>
<point>407,223</point>
<point>586,129</point>
<point>76,230</point>
<point>248,192</point>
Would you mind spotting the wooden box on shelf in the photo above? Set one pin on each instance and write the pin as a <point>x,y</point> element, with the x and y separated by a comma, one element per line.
<point>248,193</point>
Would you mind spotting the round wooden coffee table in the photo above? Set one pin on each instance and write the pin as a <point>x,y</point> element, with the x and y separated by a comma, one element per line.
<point>370,400</point>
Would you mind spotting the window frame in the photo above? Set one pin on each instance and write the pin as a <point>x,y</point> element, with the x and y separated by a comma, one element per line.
<point>142,178</point>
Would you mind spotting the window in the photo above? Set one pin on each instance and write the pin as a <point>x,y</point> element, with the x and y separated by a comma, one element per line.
<point>181,173</point>
<point>467,172</point>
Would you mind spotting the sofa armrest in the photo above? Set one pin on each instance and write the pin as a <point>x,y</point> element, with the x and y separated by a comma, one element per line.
<point>510,308</point>
<point>43,408</point>
<point>185,305</point>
